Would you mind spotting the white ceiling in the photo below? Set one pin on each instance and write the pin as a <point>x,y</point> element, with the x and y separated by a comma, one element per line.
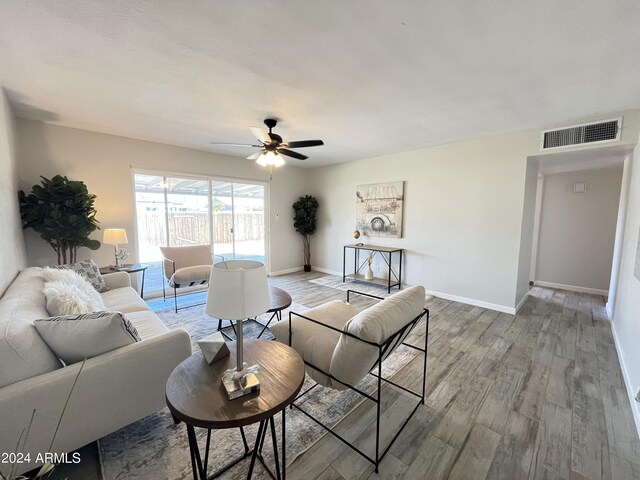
<point>368,77</point>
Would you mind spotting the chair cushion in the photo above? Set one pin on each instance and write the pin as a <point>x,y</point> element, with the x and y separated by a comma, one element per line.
<point>23,353</point>
<point>76,337</point>
<point>188,256</point>
<point>353,359</point>
<point>190,276</point>
<point>313,342</point>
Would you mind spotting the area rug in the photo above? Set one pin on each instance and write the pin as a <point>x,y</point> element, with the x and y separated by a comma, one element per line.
<point>335,281</point>
<point>156,448</point>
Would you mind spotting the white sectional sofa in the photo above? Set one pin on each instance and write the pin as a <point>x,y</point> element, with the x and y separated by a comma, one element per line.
<point>113,390</point>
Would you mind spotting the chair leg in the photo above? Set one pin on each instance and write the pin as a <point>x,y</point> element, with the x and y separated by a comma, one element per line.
<point>175,298</point>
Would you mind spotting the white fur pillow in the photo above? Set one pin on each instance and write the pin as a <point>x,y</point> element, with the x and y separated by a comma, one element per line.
<point>68,293</point>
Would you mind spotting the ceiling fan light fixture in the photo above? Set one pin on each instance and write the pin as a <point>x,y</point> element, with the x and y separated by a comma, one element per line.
<point>270,158</point>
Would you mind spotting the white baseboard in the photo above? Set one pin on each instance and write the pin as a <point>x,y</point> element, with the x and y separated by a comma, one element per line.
<point>572,288</point>
<point>284,272</point>
<point>474,302</point>
<point>627,379</point>
<point>326,270</point>
<point>521,302</point>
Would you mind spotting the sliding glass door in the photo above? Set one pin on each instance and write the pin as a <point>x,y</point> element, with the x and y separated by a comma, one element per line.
<point>238,220</point>
<point>175,211</point>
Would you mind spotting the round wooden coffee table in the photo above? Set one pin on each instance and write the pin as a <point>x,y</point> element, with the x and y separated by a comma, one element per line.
<point>279,301</point>
<point>196,396</point>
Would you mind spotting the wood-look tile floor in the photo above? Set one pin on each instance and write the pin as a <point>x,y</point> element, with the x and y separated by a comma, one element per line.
<point>539,395</point>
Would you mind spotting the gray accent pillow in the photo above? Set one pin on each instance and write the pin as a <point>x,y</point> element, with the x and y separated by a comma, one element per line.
<point>89,270</point>
<point>76,337</point>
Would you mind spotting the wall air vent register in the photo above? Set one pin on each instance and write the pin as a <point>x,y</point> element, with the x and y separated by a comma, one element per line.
<point>585,134</point>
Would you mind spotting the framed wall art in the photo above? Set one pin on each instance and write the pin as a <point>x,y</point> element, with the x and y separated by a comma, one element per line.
<point>379,209</point>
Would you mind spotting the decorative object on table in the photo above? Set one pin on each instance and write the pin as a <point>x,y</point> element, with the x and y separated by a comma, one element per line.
<point>356,235</point>
<point>369,274</point>
<point>115,237</point>
<point>305,223</point>
<point>62,212</point>
<point>379,209</point>
<point>213,347</point>
<point>186,266</point>
<point>238,290</point>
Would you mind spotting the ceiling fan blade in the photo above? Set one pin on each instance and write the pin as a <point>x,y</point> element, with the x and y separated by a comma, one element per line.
<point>260,134</point>
<point>254,156</point>
<point>235,144</point>
<point>291,153</point>
<point>305,143</point>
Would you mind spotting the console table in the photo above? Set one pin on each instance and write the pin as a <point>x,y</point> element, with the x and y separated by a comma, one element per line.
<point>387,253</point>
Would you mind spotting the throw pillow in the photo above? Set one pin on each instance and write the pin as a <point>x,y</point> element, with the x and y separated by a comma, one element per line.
<point>76,337</point>
<point>68,293</point>
<point>89,270</point>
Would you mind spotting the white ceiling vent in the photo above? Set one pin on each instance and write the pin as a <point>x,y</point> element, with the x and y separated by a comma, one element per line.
<point>587,133</point>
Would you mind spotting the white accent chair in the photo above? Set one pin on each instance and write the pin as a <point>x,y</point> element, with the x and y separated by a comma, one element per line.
<point>186,267</point>
<point>340,345</point>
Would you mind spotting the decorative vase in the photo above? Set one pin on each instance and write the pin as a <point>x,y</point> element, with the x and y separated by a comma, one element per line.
<point>369,274</point>
<point>307,268</point>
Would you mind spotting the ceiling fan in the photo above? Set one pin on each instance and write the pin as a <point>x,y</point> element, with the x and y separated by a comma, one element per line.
<point>272,147</point>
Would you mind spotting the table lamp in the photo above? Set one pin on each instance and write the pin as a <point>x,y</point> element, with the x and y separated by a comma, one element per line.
<point>115,236</point>
<point>238,290</point>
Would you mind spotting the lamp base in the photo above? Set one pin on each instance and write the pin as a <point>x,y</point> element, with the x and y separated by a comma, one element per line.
<point>245,386</point>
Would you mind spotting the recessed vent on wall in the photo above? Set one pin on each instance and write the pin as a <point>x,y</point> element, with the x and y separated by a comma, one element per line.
<point>587,133</point>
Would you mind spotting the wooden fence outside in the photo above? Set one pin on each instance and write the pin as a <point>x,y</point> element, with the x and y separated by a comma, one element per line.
<point>193,228</point>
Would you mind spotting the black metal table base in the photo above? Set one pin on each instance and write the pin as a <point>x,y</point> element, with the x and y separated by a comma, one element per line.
<point>200,467</point>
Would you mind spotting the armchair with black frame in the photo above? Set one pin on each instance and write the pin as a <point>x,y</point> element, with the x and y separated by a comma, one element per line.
<point>340,345</point>
<point>186,266</point>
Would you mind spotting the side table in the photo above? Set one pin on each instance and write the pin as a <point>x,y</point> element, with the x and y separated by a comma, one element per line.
<point>195,396</point>
<point>279,301</point>
<point>129,268</point>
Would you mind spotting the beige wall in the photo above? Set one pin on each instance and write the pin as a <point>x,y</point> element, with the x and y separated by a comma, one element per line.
<point>105,163</point>
<point>626,317</point>
<point>577,230</point>
<point>468,214</point>
<point>463,215</point>
<point>12,252</point>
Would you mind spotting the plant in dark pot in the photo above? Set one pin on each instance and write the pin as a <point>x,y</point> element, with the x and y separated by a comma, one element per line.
<point>305,224</point>
<point>62,212</point>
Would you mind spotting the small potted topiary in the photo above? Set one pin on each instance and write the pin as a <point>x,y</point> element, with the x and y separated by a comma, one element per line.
<point>305,224</point>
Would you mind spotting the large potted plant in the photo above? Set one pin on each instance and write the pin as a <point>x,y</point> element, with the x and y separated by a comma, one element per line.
<point>305,223</point>
<point>62,212</point>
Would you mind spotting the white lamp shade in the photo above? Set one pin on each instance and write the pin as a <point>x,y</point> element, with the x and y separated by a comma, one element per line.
<point>114,236</point>
<point>238,290</point>
<point>270,158</point>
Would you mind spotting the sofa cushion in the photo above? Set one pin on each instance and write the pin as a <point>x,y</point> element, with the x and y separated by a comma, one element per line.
<point>23,353</point>
<point>353,359</point>
<point>90,271</point>
<point>76,337</point>
<point>147,323</point>
<point>314,342</point>
<point>69,293</point>
<point>125,300</point>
